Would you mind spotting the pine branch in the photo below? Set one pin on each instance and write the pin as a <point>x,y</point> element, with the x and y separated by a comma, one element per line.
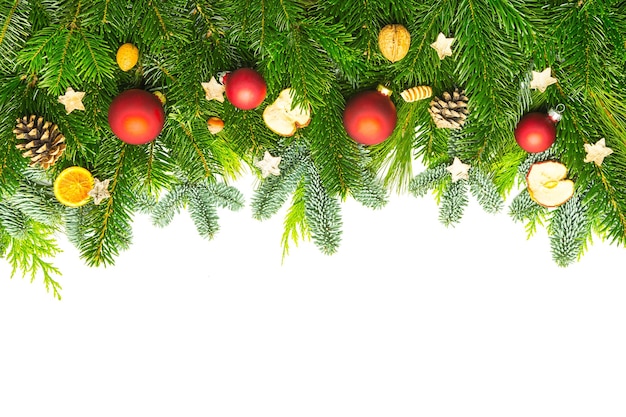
<point>569,231</point>
<point>202,211</point>
<point>428,180</point>
<point>483,188</point>
<point>110,225</point>
<point>523,208</point>
<point>274,191</point>
<point>453,203</point>
<point>169,205</point>
<point>14,28</point>
<point>322,212</point>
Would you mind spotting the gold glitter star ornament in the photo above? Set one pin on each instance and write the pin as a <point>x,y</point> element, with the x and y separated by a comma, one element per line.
<point>214,90</point>
<point>542,80</point>
<point>99,191</point>
<point>268,165</point>
<point>597,152</point>
<point>72,100</point>
<point>443,46</point>
<point>458,170</point>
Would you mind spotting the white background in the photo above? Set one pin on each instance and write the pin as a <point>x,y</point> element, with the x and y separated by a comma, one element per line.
<point>409,319</point>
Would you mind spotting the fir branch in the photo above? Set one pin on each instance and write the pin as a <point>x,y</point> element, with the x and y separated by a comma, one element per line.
<point>524,209</point>
<point>484,190</point>
<point>569,230</point>
<point>169,205</point>
<point>322,213</point>
<point>428,180</point>
<point>453,203</point>
<point>202,211</point>
<point>225,196</point>
<point>110,225</point>
<point>370,191</point>
<point>274,190</point>
<point>14,29</point>
<point>335,155</point>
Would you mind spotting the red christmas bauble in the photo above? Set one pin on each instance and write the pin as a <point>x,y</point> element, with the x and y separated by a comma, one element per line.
<point>370,117</point>
<point>245,88</point>
<point>535,132</point>
<point>136,116</point>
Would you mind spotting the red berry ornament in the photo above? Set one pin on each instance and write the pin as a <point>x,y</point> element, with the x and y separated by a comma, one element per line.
<point>536,132</point>
<point>136,116</point>
<point>370,116</point>
<point>245,88</point>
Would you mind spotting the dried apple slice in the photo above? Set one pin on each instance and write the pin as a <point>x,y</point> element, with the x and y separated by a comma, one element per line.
<point>548,185</point>
<point>283,118</point>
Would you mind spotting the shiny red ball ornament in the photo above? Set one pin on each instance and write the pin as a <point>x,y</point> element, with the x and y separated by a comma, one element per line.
<point>536,132</point>
<point>136,116</point>
<point>245,88</point>
<point>370,116</point>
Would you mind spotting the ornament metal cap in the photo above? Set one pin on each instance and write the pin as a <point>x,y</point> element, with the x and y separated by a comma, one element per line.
<point>557,113</point>
<point>384,90</point>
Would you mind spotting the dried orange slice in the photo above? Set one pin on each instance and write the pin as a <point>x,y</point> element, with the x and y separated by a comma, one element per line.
<point>127,56</point>
<point>72,186</point>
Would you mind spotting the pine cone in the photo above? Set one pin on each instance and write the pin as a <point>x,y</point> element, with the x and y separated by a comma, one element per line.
<point>450,111</point>
<point>40,141</point>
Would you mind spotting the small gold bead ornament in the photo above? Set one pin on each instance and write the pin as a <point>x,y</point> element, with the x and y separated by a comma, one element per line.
<point>394,41</point>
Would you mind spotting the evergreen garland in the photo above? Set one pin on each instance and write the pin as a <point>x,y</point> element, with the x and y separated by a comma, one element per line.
<point>326,51</point>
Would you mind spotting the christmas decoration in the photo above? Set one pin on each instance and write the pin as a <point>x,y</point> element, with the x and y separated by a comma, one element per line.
<point>370,116</point>
<point>99,191</point>
<point>536,132</point>
<point>419,92</point>
<point>245,88</point>
<point>283,118</point>
<point>327,53</point>
<point>394,42</point>
<point>268,165</point>
<point>215,125</point>
<point>450,111</point>
<point>214,90</point>
<point>127,56</point>
<point>136,116</point>
<point>547,183</point>
<point>541,80</point>
<point>458,170</point>
<point>72,186</point>
<point>161,97</point>
<point>72,100</point>
<point>597,152</point>
<point>40,141</point>
<point>443,46</point>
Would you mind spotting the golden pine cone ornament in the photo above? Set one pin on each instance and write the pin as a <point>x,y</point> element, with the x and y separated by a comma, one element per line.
<point>394,41</point>
<point>39,140</point>
<point>450,111</point>
<point>419,92</point>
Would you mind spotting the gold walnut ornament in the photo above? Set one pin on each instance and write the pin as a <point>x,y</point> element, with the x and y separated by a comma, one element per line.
<point>127,56</point>
<point>394,41</point>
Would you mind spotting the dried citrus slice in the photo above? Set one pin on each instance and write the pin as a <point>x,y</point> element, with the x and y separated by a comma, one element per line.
<point>72,186</point>
<point>127,56</point>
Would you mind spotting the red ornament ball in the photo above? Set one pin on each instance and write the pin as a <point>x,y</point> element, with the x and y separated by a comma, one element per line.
<point>136,116</point>
<point>535,132</point>
<point>245,88</point>
<point>370,117</point>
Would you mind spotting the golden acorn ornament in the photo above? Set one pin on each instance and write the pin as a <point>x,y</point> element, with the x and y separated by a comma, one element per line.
<point>450,111</point>
<point>419,92</point>
<point>39,140</point>
<point>394,41</point>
